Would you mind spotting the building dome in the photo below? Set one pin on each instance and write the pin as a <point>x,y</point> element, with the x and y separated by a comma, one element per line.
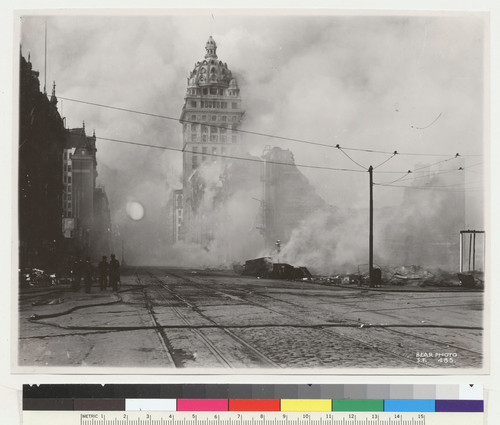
<point>211,71</point>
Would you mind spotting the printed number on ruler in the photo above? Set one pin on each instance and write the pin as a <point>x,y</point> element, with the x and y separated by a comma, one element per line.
<point>249,418</point>
<point>254,418</point>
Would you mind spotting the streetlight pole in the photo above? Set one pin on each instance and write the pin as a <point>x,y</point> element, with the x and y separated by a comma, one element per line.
<point>370,249</point>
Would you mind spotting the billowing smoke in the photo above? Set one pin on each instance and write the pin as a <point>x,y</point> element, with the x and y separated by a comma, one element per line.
<point>422,230</point>
<point>368,82</point>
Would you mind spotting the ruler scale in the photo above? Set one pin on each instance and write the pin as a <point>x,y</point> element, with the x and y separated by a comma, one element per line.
<point>349,405</point>
<point>203,418</point>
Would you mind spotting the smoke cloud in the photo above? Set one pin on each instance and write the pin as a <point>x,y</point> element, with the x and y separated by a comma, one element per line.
<point>369,82</point>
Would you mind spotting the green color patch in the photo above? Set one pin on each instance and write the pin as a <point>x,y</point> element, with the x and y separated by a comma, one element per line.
<point>358,406</point>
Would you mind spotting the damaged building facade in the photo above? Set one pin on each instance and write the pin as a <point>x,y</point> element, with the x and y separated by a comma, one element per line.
<point>288,197</point>
<point>61,211</point>
<point>210,118</point>
<point>86,215</point>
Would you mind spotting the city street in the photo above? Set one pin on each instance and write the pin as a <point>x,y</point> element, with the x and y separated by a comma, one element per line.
<point>179,318</point>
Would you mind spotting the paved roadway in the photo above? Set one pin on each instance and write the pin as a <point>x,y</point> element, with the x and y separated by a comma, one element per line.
<point>175,318</point>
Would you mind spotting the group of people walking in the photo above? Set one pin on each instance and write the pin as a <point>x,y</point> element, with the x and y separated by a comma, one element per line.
<point>108,273</point>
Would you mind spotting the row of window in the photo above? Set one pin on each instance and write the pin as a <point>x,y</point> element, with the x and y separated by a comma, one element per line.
<point>221,118</point>
<point>67,179</point>
<point>213,138</point>
<point>67,168</point>
<point>204,150</point>
<point>208,128</point>
<point>213,91</point>
<point>212,104</point>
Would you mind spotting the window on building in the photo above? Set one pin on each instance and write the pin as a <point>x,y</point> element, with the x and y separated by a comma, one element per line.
<point>213,91</point>
<point>204,138</point>
<point>213,138</point>
<point>194,127</point>
<point>194,138</point>
<point>234,105</point>
<point>223,105</point>
<point>224,118</point>
<point>69,179</point>
<point>214,117</point>
<point>194,162</point>
<point>68,189</point>
<point>204,129</point>
<point>193,104</point>
<point>205,91</point>
<point>203,117</point>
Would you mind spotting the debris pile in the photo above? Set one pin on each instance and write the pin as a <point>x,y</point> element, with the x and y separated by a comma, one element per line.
<point>265,268</point>
<point>37,277</point>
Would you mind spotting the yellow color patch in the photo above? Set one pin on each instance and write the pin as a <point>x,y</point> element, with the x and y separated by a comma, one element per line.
<point>306,405</point>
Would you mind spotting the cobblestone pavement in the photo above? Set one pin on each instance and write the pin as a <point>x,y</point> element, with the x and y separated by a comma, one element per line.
<point>175,318</point>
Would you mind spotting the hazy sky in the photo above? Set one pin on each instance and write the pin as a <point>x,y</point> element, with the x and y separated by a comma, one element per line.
<point>414,84</point>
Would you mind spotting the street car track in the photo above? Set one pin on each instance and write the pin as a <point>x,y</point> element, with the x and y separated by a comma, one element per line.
<point>327,331</point>
<point>218,354</point>
<point>389,327</point>
<point>410,336</point>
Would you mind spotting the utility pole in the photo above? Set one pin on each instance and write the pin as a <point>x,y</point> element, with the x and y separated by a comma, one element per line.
<point>370,249</point>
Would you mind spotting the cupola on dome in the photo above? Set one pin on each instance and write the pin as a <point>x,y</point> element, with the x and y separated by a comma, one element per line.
<point>211,71</point>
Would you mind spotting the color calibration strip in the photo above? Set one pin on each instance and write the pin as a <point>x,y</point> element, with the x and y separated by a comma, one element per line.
<point>252,405</point>
<point>254,398</point>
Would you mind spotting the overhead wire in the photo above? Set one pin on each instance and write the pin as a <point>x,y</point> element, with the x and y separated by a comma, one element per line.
<point>262,161</point>
<point>436,163</point>
<point>436,188</point>
<point>352,160</point>
<point>387,160</point>
<point>274,136</point>
<point>457,155</point>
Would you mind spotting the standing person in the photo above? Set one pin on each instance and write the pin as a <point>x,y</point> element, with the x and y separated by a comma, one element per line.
<point>114,272</point>
<point>77,274</point>
<point>87,274</point>
<point>103,268</point>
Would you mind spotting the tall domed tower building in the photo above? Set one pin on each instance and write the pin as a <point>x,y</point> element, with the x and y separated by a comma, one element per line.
<point>210,118</point>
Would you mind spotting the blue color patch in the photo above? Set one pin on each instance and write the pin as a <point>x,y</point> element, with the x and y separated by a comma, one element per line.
<point>409,405</point>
